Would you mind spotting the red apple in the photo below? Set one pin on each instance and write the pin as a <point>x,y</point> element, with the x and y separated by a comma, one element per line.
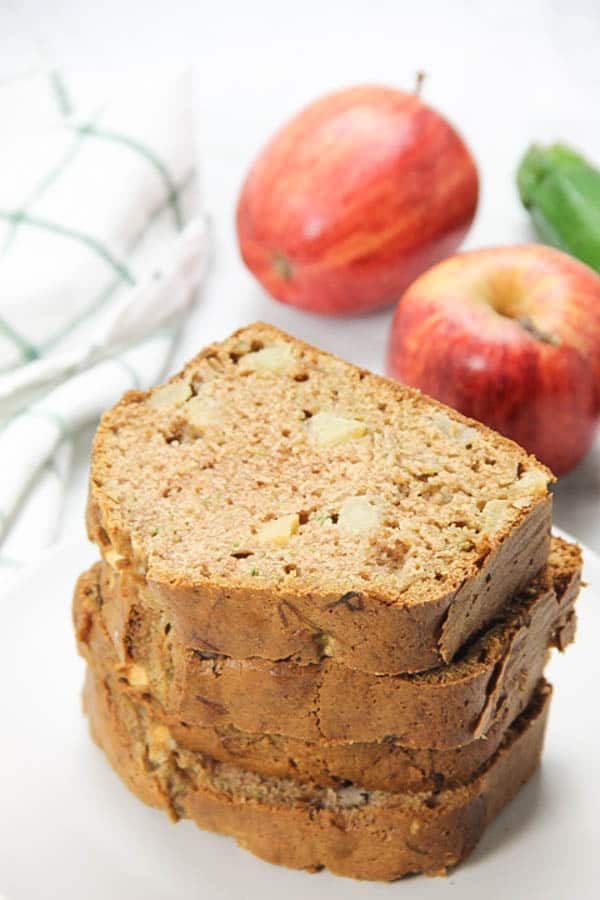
<point>356,195</point>
<point>509,336</point>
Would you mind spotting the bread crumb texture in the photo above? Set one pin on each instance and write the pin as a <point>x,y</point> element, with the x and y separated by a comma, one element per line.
<point>267,459</point>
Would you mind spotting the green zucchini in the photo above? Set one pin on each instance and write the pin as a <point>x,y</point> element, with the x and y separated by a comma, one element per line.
<point>561,190</point>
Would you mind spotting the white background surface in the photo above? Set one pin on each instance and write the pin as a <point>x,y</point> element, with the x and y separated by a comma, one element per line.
<point>504,73</point>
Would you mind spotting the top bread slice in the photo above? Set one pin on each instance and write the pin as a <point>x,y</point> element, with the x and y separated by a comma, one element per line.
<point>283,503</point>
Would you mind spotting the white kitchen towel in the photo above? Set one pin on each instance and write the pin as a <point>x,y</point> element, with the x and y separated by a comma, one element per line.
<point>103,246</point>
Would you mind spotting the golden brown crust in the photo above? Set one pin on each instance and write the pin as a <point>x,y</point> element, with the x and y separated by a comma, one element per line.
<point>450,707</point>
<point>245,624</point>
<point>378,836</point>
<point>369,626</point>
<point>384,765</point>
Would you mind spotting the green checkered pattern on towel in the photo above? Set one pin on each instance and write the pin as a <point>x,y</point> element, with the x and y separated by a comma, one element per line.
<point>98,242</point>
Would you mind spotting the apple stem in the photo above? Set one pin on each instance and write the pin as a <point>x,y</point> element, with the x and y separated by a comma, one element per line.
<point>532,329</point>
<point>419,81</point>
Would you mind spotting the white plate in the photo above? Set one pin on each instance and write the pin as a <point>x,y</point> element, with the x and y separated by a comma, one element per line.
<point>70,830</point>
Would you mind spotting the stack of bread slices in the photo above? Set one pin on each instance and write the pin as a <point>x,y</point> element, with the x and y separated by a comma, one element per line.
<point>323,609</point>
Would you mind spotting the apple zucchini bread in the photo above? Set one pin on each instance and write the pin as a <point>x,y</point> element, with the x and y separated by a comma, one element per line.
<point>276,500</point>
<point>322,611</point>
<point>350,830</point>
<point>491,682</point>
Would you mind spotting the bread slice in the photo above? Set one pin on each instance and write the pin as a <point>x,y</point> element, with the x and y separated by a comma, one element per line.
<point>279,500</point>
<point>384,765</point>
<point>349,830</point>
<point>490,683</point>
